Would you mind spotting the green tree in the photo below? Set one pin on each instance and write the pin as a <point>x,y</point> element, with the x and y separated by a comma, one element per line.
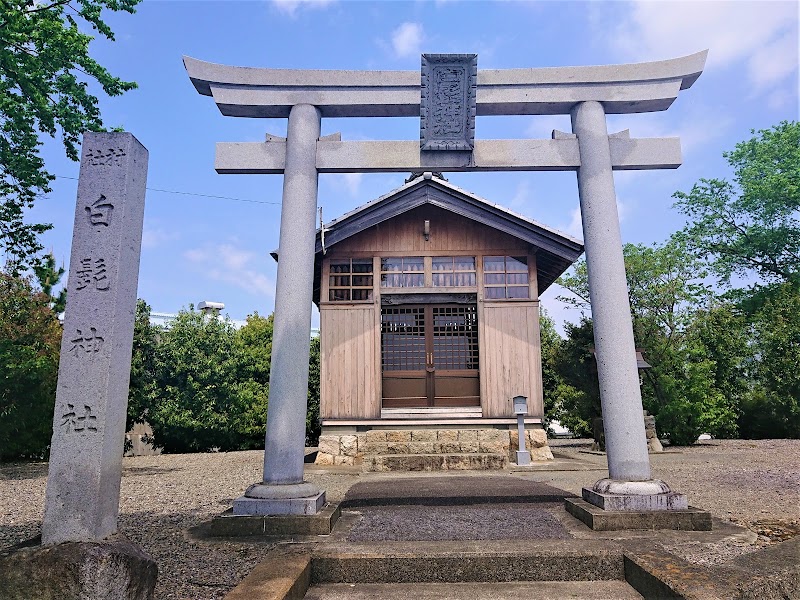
<point>49,276</point>
<point>682,389</point>
<point>194,405</point>
<point>751,225</point>
<point>255,346</point>
<point>576,398</point>
<point>45,69</point>
<point>772,407</point>
<point>550,344</point>
<point>30,336</point>
<point>143,365</point>
<point>313,423</point>
<point>254,351</point>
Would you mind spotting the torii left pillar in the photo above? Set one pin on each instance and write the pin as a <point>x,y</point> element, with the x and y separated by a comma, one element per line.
<point>283,491</point>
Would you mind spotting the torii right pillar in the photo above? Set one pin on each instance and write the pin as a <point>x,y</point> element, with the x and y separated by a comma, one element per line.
<point>629,486</point>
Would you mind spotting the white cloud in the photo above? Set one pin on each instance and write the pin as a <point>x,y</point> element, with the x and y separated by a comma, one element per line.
<point>154,236</point>
<point>520,201</point>
<point>575,226</point>
<point>763,34</point>
<point>290,7</point>
<point>697,126</point>
<point>233,265</point>
<point>407,39</point>
<point>774,61</point>
<point>351,182</point>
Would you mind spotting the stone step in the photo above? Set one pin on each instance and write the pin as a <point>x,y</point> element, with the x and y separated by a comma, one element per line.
<point>450,489</point>
<point>541,590</point>
<point>435,462</point>
<point>468,561</point>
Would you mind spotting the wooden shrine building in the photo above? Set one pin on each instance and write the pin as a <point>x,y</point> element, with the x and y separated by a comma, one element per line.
<point>429,326</point>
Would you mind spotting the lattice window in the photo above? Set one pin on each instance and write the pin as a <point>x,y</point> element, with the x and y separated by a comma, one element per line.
<point>453,271</point>
<point>403,339</point>
<point>505,277</point>
<point>455,337</point>
<point>350,280</point>
<point>408,271</point>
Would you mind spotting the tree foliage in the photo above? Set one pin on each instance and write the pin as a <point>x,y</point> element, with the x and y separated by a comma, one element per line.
<point>667,296</point>
<point>254,352</point>
<point>30,336</point>
<point>49,276</point>
<point>722,363</point>
<point>577,393</point>
<point>313,422</point>
<point>751,224</point>
<point>203,385</point>
<point>143,365</point>
<point>192,404</point>
<point>45,72</point>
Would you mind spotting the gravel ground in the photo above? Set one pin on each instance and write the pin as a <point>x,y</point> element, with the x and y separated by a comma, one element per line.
<point>753,483</point>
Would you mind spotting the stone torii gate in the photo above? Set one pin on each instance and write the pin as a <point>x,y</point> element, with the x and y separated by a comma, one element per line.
<point>447,96</point>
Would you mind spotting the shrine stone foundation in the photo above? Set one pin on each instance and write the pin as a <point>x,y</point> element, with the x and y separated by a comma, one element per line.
<point>435,448</point>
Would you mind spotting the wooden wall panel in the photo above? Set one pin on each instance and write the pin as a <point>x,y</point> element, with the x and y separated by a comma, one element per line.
<point>450,234</point>
<point>510,358</point>
<point>348,363</point>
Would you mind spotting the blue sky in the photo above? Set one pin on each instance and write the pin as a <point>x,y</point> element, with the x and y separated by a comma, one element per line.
<point>200,248</point>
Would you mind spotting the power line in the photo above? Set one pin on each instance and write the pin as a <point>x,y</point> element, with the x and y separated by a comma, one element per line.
<point>194,194</point>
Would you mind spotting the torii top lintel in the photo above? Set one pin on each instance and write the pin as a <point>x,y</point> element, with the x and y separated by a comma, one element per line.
<point>271,93</point>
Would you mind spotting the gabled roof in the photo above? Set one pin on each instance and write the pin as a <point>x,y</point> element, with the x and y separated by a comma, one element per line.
<point>556,251</point>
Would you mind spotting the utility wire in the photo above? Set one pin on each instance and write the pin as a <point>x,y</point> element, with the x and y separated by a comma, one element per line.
<point>194,194</point>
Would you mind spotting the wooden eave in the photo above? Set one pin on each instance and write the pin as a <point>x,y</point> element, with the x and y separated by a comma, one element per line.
<point>555,251</point>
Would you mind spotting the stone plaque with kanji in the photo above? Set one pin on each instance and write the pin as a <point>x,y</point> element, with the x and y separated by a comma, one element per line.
<point>447,101</point>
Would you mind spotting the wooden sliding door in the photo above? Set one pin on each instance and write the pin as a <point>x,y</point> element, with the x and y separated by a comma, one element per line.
<point>429,355</point>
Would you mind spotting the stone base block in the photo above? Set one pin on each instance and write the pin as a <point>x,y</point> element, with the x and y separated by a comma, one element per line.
<point>229,525</point>
<point>523,458</point>
<point>435,462</point>
<point>279,506</point>
<point>636,502</point>
<point>114,568</point>
<point>691,519</point>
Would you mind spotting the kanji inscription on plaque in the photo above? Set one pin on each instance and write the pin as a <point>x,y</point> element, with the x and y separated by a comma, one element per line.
<point>447,101</point>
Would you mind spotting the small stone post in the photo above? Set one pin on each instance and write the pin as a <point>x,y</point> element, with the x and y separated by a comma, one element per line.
<point>83,481</point>
<point>283,490</point>
<point>620,396</point>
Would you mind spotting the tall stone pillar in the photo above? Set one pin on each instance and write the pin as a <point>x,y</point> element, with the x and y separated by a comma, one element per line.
<point>83,481</point>
<point>620,396</point>
<point>283,490</point>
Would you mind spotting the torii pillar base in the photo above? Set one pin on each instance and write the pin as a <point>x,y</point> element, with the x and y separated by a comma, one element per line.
<point>270,500</point>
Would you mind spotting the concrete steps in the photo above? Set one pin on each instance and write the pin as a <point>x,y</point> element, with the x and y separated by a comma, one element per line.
<point>487,561</point>
<point>477,461</point>
<point>541,590</point>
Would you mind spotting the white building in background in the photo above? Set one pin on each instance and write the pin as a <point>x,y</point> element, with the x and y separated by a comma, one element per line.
<point>163,319</point>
